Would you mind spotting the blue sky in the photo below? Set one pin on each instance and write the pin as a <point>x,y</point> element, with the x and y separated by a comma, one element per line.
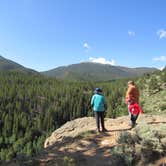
<point>44,34</point>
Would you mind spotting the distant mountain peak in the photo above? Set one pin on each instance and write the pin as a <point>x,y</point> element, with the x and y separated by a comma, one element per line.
<point>92,71</point>
<point>9,65</point>
<point>1,57</point>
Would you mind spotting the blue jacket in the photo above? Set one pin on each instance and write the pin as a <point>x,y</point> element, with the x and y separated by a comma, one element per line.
<point>98,102</point>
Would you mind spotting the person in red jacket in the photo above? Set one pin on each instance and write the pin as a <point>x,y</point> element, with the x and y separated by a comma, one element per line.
<point>132,100</point>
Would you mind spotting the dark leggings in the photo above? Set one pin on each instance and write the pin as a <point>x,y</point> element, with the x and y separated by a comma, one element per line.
<point>133,119</point>
<point>99,117</point>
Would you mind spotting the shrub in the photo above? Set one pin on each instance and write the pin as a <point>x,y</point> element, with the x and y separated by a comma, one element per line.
<point>145,144</point>
<point>68,161</point>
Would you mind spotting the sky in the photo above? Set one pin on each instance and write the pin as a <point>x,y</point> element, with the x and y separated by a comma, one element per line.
<point>45,34</point>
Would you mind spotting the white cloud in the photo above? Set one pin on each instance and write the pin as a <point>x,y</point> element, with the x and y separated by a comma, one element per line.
<point>102,61</point>
<point>161,68</point>
<point>161,33</point>
<point>131,33</point>
<point>86,46</point>
<point>161,58</point>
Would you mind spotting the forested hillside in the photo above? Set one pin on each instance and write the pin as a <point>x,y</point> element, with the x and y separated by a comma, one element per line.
<point>153,92</point>
<point>9,65</point>
<point>32,106</point>
<point>96,72</point>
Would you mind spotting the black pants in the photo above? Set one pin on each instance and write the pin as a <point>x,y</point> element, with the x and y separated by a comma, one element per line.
<point>99,118</point>
<point>133,119</point>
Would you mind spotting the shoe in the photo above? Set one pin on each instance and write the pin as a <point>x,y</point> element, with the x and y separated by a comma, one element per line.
<point>133,125</point>
<point>98,130</point>
<point>104,130</point>
<point>130,124</point>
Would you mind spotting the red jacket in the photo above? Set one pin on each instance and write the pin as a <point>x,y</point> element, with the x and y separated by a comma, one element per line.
<point>135,109</point>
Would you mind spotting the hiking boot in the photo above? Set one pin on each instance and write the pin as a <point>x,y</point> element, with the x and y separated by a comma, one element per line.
<point>131,124</point>
<point>104,130</point>
<point>98,130</point>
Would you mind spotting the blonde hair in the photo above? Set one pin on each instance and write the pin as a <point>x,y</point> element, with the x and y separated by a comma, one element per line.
<point>131,82</point>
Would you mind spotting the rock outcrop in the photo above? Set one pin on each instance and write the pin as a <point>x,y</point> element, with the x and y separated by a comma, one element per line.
<point>68,144</point>
<point>71,129</point>
<point>80,125</point>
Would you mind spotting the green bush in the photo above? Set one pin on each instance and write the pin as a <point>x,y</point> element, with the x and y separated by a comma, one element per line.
<point>163,107</point>
<point>144,145</point>
<point>68,161</point>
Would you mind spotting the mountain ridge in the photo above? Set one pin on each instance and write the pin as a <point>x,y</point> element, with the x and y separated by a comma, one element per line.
<point>9,65</point>
<point>96,72</point>
<point>85,71</point>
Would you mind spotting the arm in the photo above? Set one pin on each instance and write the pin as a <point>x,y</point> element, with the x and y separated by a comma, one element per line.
<point>105,103</point>
<point>127,98</point>
<point>92,101</point>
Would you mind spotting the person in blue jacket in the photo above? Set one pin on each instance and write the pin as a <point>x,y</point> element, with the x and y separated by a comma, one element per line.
<point>99,107</point>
